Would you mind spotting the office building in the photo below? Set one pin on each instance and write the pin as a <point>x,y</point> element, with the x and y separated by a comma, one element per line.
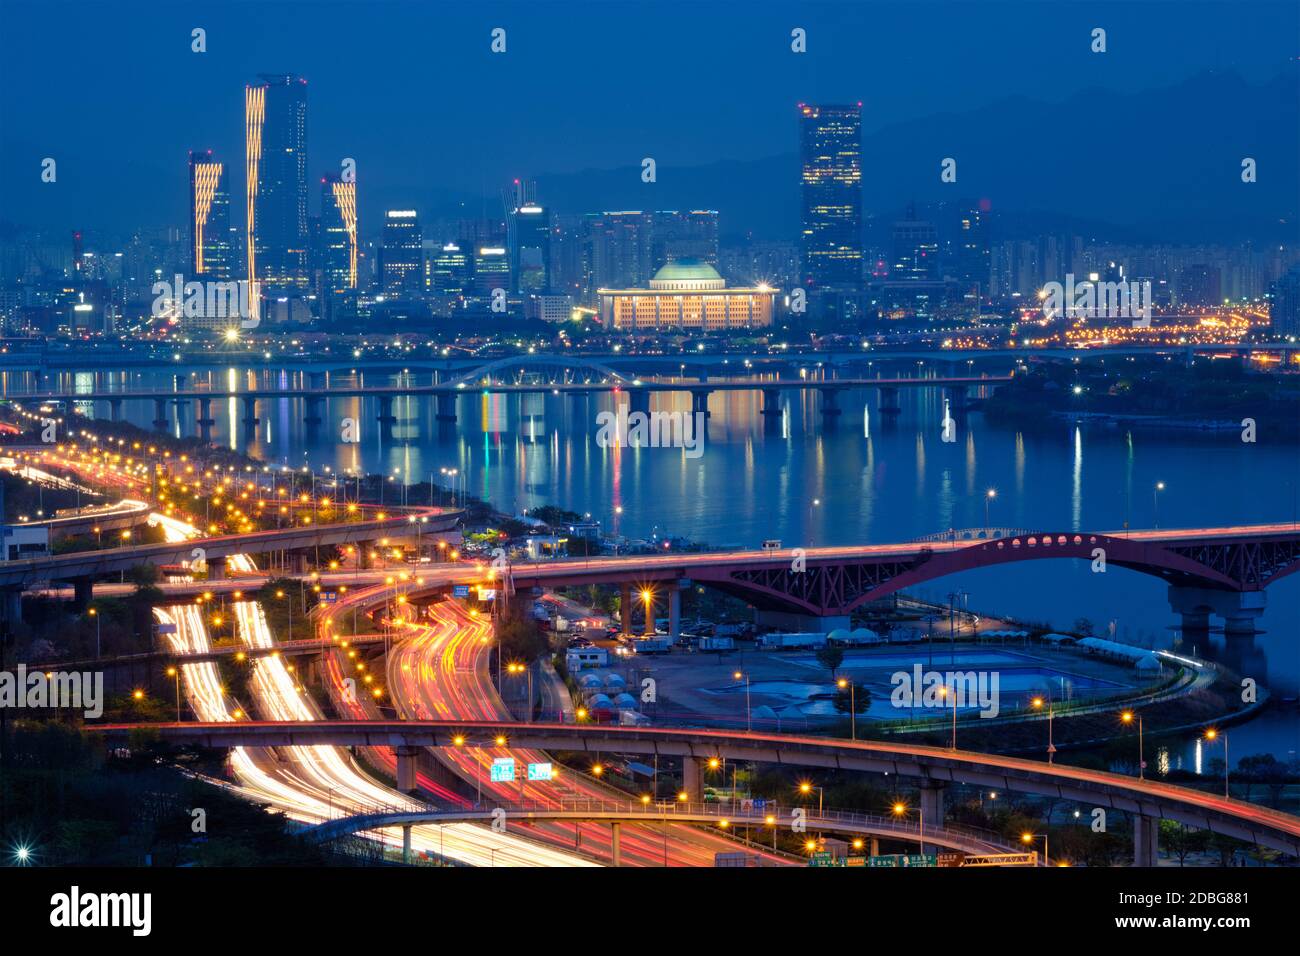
<point>831,172</point>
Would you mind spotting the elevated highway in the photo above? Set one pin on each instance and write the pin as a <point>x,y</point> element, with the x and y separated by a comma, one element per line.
<point>1148,800</point>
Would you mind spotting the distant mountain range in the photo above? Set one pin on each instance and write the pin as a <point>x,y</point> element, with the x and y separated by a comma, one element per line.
<point>1162,164</point>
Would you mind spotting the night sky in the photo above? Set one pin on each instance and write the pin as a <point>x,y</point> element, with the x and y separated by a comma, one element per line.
<point>412,91</point>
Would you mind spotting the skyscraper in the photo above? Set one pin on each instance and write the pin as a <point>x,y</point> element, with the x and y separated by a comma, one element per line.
<point>529,237</point>
<point>831,158</point>
<point>210,254</point>
<point>339,249</point>
<point>275,154</point>
<point>402,268</point>
<point>916,248</point>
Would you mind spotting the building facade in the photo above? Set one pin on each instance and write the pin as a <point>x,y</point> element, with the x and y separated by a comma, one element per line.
<point>830,153</point>
<point>275,154</point>
<point>686,294</point>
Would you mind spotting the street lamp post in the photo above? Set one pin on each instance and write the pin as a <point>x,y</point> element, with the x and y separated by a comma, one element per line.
<point>1128,717</point>
<point>1031,837</point>
<point>842,683</point>
<point>1155,502</point>
<point>749,720</point>
<point>900,810</point>
<point>988,497</point>
<point>175,672</point>
<point>1051,747</point>
<point>1212,734</point>
<point>95,614</point>
<point>944,691</point>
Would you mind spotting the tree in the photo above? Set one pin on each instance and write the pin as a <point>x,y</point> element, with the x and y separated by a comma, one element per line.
<point>1083,626</point>
<point>857,697</point>
<point>831,658</point>
<point>518,636</point>
<point>1182,842</point>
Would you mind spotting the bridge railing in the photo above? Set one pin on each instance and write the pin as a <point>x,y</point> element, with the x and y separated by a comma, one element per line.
<point>991,533</point>
<point>732,812</point>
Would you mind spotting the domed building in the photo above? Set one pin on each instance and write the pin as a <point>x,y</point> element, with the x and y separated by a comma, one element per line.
<point>687,294</point>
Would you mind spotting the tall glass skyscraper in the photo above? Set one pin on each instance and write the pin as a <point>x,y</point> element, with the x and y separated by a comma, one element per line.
<point>339,249</point>
<point>830,153</point>
<point>275,152</point>
<point>210,253</point>
<point>402,268</point>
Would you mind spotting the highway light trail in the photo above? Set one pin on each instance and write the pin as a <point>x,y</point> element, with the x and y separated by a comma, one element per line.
<point>311,784</point>
<point>439,670</point>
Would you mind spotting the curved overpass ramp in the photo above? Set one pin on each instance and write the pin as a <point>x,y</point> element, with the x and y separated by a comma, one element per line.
<point>1145,798</point>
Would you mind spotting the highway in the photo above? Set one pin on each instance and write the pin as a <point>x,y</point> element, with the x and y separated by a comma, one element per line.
<point>440,669</point>
<point>1151,799</point>
<point>315,783</point>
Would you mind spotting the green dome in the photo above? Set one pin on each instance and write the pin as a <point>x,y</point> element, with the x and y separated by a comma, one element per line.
<point>679,270</point>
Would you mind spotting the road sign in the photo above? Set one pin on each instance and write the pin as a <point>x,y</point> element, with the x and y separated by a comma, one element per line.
<point>460,590</point>
<point>166,628</point>
<point>503,770</point>
<point>329,597</point>
<point>539,771</point>
<point>902,859</point>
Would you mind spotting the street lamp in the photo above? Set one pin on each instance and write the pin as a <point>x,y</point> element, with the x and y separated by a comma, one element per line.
<point>1212,734</point>
<point>1031,837</point>
<point>805,788</point>
<point>1128,717</point>
<point>988,497</point>
<point>174,672</point>
<point>1155,501</point>
<point>842,683</point>
<point>95,614</point>
<point>749,721</point>
<point>900,810</point>
<point>1038,705</point>
<point>943,692</point>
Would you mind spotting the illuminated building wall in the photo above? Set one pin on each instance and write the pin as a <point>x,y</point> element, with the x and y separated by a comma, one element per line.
<point>687,294</point>
<point>209,247</point>
<point>275,153</point>
<point>831,231</point>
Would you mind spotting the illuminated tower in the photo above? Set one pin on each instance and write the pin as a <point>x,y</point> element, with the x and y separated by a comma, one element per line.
<point>275,153</point>
<point>338,223</point>
<point>830,155</point>
<point>209,218</point>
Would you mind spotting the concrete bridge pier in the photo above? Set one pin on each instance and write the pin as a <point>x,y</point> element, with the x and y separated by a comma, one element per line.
<point>1146,833</point>
<point>11,605</point>
<point>625,608</point>
<point>691,780</point>
<point>250,418</point>
<point>889,400</point>
<point>83,592</point>
<point>114,409</point>
<point>406,844</point>
<point>316,379</point>
<point>406,768</point>
<point>674,610</point>
<point>932,802</point>
<point>386,418</point>
<point>216,569</point>
<point>314,404</point>
<point>830,403</point>
<point>700,401</point>
<point>771,403</point>
<point>205,421</point>
<point>160,414</point>
<point>1240,610</point>
<point>958,399</point>
<point>648,605</point>
<point>446,406</point>
<point>639,400</point>
<point>873,846</point>
<point>616,844</point>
